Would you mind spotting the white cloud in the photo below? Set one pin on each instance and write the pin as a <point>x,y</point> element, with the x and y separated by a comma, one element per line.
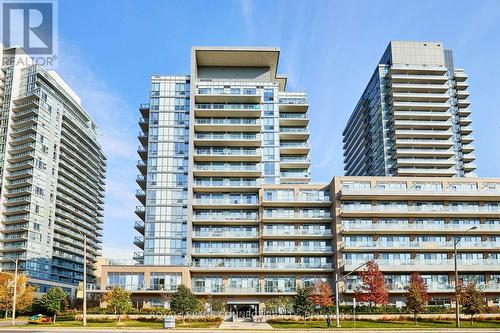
<point>247,9</point>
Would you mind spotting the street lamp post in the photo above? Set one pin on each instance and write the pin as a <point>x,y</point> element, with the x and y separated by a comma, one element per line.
<point>337,280</point>
<point>457,306</point>
<point>14,299</point>
<point>84,277</point>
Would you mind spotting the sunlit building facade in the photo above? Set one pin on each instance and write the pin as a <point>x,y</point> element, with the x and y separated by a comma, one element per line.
<point>413,119</point>
<point>52,172</point>
<point>252,227</point>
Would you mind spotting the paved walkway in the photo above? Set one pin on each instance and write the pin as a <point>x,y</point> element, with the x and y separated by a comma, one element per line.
<point>245,325</point>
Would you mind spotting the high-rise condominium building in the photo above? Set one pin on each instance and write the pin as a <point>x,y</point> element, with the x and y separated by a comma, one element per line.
<point>52,176</point>
<point>229,210</point>
<point>413,118</point>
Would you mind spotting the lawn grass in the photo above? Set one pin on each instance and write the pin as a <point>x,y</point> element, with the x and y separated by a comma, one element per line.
<point>390,324</point>
<point>127,323</point>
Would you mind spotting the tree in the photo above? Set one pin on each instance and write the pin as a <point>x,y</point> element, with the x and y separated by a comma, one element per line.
<point>118,300</point>
<point>25,292</point>
<point>183,302</point>
<point>210,304</point>
<point>416,295</point>
<point>55,301</point>
<point>321,294</point>
<point>302,304</point>
<point>373,289</point>
<point>279,305</point>
<point>472,300</point>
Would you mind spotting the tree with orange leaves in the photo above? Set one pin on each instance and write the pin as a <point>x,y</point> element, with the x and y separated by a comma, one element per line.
<point>372,290</point>
<point>321,294</point>
<point>25,292</point>
<point>416,295</point>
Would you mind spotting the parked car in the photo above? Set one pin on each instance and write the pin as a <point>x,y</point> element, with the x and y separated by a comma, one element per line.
<point>40,319</point>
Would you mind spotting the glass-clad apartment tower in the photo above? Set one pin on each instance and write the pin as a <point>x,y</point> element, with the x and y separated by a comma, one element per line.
<point>52,176</point>
<point>163,178</point>
<point>413,118</point>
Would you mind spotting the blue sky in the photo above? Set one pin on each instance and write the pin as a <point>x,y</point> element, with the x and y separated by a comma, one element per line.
<point>329,49</point>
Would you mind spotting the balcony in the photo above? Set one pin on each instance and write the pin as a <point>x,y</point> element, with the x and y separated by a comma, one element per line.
<point>144,124</point>
<point>417,228</point>
<point>421,211</point>
<point>139,241</point>
<point>294,148</point>
<point>296,233</point>
<point>419,246</point>
<point>297,217</point>
<point>228,170</point>
<point>294,161</point>
<point>424,162</point>
<point>230,95</point>
<point>142,166</point>
<point>238,252</point>
<point>422,124</point>
<point>297,250</point>
<point>446,143</point>
<point>436,87</point>
<point>431,265</point>
<point>143,152</point>
<point>225,203</point>
<point>140,211</point>
<point>400,133</point>
<point>398,105</point>
<point>293,104</point>
<point>297,200</point>
<point>423,96</point>
<point>141,196</point>
<point>413,78</point>
<point>228,139</point>
<point>461,85</point>
<point>225,235</point>
<point>141,181</point>
<point>294,133</point>
<point>402,152</point>
<point>422,115</point>
<point>227,125</point>
<point>423,171</point>
<point>293,119</point>
<point>227,110</point>
<point>144,109</point>
<point>228,154</point>
<point>226,185</point>
<point>241,219</point>
<point>143,138</point>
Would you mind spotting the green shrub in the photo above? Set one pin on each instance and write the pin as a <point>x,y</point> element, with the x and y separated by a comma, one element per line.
<point>66,317</point>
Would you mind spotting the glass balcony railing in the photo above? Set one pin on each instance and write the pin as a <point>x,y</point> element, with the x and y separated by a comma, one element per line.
<point>228,152</point>
<point>204,250</point>
<point>322,215</point>
<point>226,91</point>
<point>296,232</point>
<point>227,201</point>
<point>293,101</point>
<point>227,167</point>
<point>284,115</point>
<point>419,226</point>
<point>228,136</point>
<point>226,217</point>
<point>203,233</point>
<point>444,209</point>
<point>227,106</point>
<point>227,121</point>
<point>446,264</point>
<point>227,182</point>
